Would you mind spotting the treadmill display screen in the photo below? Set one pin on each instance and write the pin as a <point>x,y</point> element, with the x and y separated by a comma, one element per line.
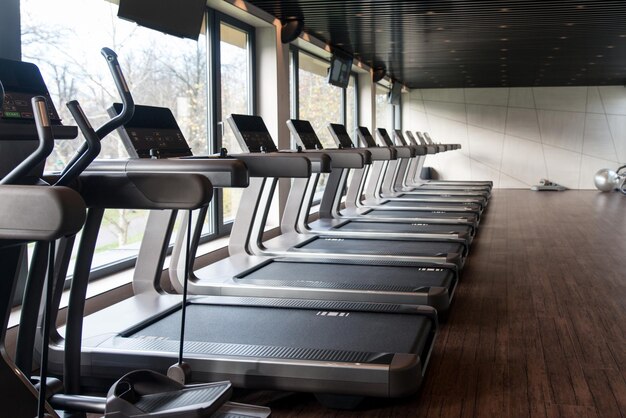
<point>152,132</point>
<point>304,131</point>
<point>382,132</point>
<point>21,82</point>
<point>399,137</point>
<point>340,135</point>
<point>421,138</point>
<point>252,133</point>
<point>412,140</point>
<point>366,136</point>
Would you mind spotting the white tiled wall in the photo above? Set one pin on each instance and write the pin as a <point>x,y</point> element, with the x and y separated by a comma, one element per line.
<point>516,136</point>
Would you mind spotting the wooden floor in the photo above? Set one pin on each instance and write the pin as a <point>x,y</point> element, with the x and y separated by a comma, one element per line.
<point>538,325</point>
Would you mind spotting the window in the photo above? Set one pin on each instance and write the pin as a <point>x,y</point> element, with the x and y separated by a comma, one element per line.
<point>161,70</point>
<point>320,103</point>
<point>232,62</point>
<point>384,110</point>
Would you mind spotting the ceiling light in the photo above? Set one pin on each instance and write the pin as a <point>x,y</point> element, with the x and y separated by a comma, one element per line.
<point>502,65</point>
<point>503,49</point>
<point>569,24</point>
<point>599,56</point>
<point>359,15</point>
<point>610,46</point>
<point>504,9</point>
<point>580,6</point>
<point>504,39</point>
<point>503,26</point>
<point>447,40</point>
<point>563,37</point>
<point>502,58</point>
<point>591,63</point>
<point>452,51</point>
<point>622,36</point>
<point>556,48</point>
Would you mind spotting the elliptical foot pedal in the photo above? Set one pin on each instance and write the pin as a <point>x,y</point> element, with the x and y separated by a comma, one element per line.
<point>145,393</point>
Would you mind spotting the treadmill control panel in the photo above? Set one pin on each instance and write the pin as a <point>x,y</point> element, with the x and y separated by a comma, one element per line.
<point>382,133</point>
<point>366,137</point>
<point>305,134</point>
<point>251,133</point>
<point>412,140</point>
<point>152,133</point>
<point>340,135</point>
<point>21,82</point>
<point>397,133</point>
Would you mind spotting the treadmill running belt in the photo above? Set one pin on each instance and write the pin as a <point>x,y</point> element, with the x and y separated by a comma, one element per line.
<point>460,207</point>
<point>299,329</point>
<point>403,227</point>
<point>366,277</point>
<point>379,246</point>
<point>470,217</point>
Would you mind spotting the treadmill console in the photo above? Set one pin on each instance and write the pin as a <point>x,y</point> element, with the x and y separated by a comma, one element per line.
<point>152,133</point>
<point>422,140</point>
<point>305,134</point>
<point>340,135</point>
<point>382,133</point>
<point>21,82</point>
<point>366,137</point>
<point>397,133</point>
<point>412,140</point>
<point>251,133</point>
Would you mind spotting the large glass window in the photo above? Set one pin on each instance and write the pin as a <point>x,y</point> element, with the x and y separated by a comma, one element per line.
<point>320,103</point>
<point>384,110</point>
<point>236,97</point>
<point>160,70</point>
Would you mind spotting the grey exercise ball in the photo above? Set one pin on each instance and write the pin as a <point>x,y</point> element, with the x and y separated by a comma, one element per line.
<point>606,180</point>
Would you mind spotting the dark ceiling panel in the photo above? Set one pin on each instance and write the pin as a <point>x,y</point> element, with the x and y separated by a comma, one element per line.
<point>474,43</point>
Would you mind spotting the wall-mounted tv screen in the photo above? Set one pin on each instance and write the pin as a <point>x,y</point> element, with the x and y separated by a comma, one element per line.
<point>395,93</point>
<point>182,18</point>
<point>339,72</point>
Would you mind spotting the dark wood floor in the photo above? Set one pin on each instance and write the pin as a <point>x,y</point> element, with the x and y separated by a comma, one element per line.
<point>538,325</point>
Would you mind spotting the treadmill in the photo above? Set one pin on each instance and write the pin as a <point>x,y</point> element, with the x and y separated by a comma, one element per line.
<point>331,223</point>
<point>243,274</point>
<point>476,200</point>
<point>253,135</point>
<point>358,187</point>
<point>470,203</point>
<point>342,351</point>
<point>414,179</point>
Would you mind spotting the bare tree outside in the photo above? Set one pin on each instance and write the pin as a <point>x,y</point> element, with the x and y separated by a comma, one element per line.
<point>160,70</point>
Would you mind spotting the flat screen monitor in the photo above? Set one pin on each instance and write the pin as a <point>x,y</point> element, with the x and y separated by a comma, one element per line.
<point>339,72</point>
<point>182,18</point>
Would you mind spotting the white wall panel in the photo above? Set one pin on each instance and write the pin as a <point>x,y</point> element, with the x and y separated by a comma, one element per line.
<point>487,96</point>
<point>520,135</point>
<point>562,129</point>
<point>571,99</point>
<point>521,97</point>
<point>523,123</point>
<point>488,117</point>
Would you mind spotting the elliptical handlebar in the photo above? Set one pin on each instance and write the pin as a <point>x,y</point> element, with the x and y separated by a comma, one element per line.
<point>80,161</point>
<point>46,142</point>
<point>92,145</point>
